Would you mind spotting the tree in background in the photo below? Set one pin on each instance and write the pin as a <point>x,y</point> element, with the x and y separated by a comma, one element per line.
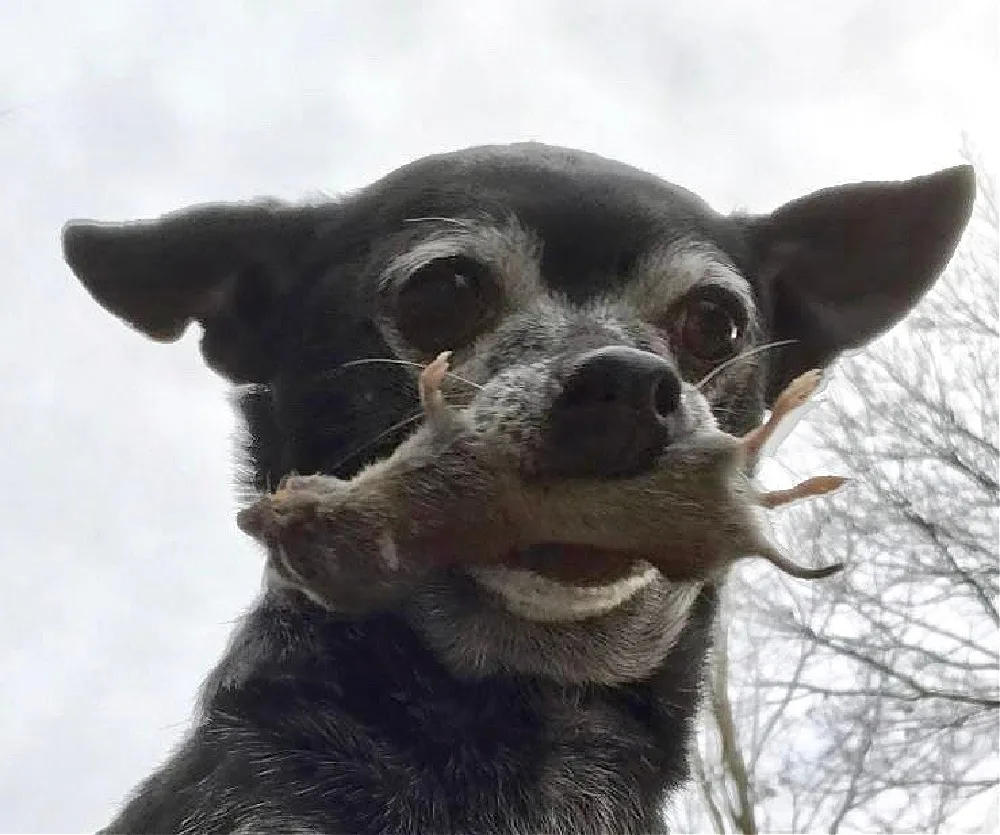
<point>869,701</point>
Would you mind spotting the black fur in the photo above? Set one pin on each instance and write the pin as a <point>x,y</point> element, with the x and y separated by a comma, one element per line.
<point>422,718</point>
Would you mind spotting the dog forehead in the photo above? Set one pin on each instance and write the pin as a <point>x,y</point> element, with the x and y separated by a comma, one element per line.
<point>545,185</point>
<point>593,216</point>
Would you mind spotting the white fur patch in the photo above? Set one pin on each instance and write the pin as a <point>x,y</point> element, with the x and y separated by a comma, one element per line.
<point>284,576</point>
<point>534,597</point>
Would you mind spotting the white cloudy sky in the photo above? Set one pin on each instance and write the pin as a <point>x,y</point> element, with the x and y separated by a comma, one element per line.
<point>123,566</point>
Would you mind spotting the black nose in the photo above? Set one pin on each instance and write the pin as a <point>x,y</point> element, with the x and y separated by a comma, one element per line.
<point>613,415</point>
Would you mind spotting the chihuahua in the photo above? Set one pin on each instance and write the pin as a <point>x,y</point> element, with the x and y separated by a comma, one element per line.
<point>598,318</point>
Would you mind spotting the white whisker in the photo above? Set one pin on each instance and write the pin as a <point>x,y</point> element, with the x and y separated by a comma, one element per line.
<point>759,349</point>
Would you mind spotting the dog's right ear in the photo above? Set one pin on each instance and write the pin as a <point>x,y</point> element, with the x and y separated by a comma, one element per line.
<point>228,267</point>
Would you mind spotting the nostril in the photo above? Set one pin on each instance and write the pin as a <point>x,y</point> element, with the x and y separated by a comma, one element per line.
<point>666,395</point>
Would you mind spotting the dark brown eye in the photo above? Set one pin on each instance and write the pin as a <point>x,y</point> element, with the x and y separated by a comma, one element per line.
<point>446,304</point>
<point>710,325</point>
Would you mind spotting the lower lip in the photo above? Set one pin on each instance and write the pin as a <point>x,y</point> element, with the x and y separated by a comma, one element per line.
<point>576,564</point>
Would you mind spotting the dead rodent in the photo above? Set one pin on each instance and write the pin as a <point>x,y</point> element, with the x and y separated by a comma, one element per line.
<point>450,495</point>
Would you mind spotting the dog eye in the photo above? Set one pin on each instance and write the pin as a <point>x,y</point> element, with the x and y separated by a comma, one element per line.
<point>445,304</point>
<point>710,325</point>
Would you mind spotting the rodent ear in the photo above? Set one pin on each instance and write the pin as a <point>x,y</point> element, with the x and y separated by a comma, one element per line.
<point>228,267</point>
<point>840,266</point>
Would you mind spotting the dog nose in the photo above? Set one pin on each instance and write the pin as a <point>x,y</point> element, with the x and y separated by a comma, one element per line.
<point>613,415</point>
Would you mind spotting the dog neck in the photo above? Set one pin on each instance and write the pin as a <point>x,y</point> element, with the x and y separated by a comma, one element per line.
<point>502,621</point>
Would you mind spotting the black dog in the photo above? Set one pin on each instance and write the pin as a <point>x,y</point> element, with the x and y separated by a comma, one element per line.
<point>521,699</point>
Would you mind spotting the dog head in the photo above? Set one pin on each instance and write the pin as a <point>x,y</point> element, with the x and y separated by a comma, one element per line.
<point>590,294</point>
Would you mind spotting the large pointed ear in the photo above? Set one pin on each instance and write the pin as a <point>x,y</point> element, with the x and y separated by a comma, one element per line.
<point>840,266</point>
<point>228,267</point>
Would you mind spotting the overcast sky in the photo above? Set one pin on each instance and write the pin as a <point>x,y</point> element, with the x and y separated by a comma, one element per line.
<point>123,566</point>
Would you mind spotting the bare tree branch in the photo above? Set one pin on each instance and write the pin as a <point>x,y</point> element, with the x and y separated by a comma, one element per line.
<point>871,701</point>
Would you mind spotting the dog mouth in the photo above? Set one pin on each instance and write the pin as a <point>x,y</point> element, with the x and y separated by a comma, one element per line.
<point>575,564</point>
<point>449,495</point>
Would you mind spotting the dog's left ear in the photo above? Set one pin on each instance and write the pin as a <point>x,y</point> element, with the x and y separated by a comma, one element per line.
<point>227,266</point>
<point>840,266</point>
